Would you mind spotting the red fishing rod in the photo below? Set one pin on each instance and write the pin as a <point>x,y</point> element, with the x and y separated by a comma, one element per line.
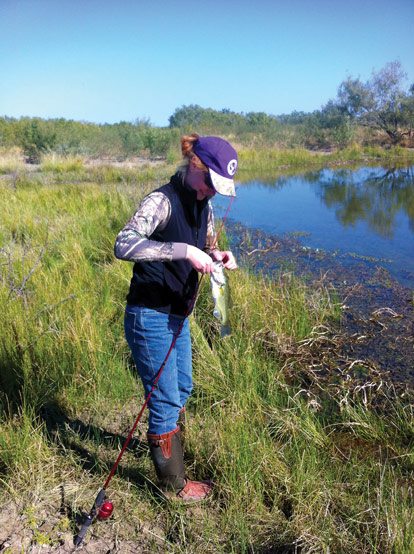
<point>102,507</point>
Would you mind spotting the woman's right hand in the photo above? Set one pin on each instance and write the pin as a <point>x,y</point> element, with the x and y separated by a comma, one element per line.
<point>200,261</point>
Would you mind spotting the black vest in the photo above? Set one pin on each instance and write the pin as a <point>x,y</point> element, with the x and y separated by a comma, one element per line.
<point>170,286</point>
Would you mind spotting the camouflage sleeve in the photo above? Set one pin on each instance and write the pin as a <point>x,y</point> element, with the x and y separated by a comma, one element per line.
<point>133,244</point>
<point>211,239</point>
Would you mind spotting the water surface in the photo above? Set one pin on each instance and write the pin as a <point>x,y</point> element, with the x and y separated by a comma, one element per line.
<point>366,213</point>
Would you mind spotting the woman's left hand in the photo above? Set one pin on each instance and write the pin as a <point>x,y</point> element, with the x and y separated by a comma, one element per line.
<point>226,257</point>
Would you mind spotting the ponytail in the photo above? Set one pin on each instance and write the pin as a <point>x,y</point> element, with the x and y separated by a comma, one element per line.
<point>187,143</point>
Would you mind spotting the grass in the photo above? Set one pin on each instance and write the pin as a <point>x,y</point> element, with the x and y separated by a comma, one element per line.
<point>11,160</point>
<point>298,464</point>
<point>257,160</point>
<point>62,164</point>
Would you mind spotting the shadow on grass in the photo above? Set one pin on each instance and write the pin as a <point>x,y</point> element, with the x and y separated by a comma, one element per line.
<point>67,433</point>
<point>285,549</point>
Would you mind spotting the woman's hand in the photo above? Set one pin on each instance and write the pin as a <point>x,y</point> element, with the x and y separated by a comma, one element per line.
<point>226,257</point>
<point>200,261</point>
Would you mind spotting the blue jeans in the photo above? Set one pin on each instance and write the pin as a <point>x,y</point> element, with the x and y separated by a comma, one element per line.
<point>149,334</point>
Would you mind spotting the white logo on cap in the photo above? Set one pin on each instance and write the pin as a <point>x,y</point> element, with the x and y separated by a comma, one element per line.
<point>231,167</point>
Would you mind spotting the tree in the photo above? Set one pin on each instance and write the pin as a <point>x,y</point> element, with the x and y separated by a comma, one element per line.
<point>354,98</point>
<point>36,137</point>
<point>259,120</point>
<point>408,111</point>
<point>379,103</point>
<point>187,116</point>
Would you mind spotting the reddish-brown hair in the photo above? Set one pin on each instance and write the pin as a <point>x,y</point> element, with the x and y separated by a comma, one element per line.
<point>187,142</point>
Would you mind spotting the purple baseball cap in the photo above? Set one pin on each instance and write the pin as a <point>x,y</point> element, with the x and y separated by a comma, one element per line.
<point>221,159</point>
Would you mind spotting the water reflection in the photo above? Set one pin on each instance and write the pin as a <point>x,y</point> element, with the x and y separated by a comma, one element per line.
<point>376,198</point>
<point>368,212</point>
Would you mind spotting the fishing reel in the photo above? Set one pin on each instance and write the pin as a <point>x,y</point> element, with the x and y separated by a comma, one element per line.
<point>101,509</point>
<point>105,511</point>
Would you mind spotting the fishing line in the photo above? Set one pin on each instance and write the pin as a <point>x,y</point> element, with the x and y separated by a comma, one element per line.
<point>100,503</point>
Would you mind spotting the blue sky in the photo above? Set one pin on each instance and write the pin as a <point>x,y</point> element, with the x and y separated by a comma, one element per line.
<point>113,60</point>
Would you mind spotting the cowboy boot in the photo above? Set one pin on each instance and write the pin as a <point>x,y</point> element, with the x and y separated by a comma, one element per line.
<point>167,456</point>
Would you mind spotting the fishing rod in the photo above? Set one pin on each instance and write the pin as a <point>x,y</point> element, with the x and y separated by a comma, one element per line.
<point>102,507</point>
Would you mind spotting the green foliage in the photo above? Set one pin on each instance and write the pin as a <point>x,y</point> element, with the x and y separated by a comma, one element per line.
<point>381,102</point>
<point>158,142</point>
<point>226,122</point>
<point>35,138</point>
<point>192,117</point>
<point>74,138</point>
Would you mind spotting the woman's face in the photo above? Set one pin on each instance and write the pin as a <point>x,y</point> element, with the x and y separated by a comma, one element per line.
<point>199,180</point>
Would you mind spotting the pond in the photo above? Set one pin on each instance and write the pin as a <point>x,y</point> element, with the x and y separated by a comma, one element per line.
<point>365,214</point>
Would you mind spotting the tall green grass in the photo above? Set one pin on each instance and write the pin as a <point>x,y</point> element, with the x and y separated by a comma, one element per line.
<point>293,465</point>
<point>61,164</point>
<point>255,160</point>
<point>320,471</point>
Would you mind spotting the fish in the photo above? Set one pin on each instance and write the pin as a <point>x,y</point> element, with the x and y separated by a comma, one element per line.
<point>221,296</point>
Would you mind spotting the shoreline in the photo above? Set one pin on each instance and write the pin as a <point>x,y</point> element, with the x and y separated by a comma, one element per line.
<point>377,315</point>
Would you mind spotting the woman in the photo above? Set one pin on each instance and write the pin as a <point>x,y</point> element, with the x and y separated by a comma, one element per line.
<point>171,238</point>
